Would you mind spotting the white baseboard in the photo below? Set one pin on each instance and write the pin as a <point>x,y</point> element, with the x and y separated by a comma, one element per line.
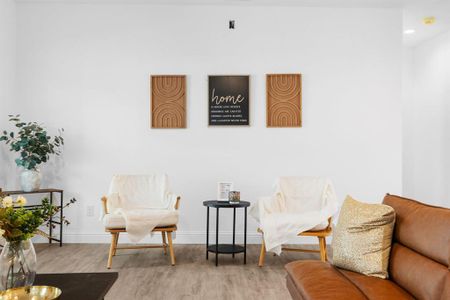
<point>180,237</point>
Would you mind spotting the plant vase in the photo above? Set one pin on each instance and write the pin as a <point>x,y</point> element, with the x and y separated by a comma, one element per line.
<point>17,264</point>
<point>30,180</point>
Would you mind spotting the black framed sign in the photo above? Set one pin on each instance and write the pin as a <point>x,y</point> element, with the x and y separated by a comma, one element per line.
<point>228,100</point>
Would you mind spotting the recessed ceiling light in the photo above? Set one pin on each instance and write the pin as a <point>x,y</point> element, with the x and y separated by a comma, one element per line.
<point>409,31</point>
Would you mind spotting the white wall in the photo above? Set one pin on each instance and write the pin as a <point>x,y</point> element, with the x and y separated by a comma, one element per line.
<point>427,125</point>
<point>86,67</point>
<point>7,82</point>
<point>7,54</point>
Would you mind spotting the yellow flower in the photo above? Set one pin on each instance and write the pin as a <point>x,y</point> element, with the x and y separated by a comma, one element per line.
<point>2,232</point>
<point>7,201</point>
<point>21,201</point>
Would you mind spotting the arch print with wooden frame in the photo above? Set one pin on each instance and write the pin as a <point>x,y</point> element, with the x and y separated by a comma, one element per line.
<point>284,100</point>
<point>168,101</point>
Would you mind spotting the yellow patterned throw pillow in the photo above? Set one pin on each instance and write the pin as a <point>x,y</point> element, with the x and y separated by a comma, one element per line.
<point>362,238</point>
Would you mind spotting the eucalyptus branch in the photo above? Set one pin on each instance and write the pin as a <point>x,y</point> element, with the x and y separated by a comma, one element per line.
<point>32,142</point>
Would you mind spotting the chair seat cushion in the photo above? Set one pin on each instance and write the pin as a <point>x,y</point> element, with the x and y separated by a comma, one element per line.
<point>115,221</point>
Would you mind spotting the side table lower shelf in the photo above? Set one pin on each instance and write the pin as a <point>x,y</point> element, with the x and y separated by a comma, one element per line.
<point>226,249</point>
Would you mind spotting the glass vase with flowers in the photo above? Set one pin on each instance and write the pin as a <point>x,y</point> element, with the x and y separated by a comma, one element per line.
<point>18,225</point>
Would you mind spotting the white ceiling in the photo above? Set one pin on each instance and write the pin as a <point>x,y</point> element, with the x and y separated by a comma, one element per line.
<point>413,10</point>
<point>320,3</point>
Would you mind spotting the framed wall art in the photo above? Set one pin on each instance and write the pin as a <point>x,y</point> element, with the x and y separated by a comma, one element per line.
<point>228,100</point>
<point>168,101</point>
<point>284,100</point>
<point>223,190</point>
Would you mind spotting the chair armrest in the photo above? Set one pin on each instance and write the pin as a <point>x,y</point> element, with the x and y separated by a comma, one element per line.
<point>105,204</point>
<point>329,224</point>
<point>177,203</point>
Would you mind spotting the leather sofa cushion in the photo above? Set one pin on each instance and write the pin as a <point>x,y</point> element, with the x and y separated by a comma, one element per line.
<point>320,280</point>
<point>424,278</point>
<point>423,228</point>
<point>376,288</point>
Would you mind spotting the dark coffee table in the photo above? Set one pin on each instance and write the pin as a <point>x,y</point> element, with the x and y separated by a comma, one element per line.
<point>76,286</point>
<point>226,248</point>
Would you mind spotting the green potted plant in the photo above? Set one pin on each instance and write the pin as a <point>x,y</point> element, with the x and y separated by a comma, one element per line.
<point>34,146</point>
<point>17,226</point>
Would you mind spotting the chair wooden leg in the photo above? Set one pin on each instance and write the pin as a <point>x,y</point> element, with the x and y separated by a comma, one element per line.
<point>116,241</point>
<point>323,248</point>
<point>112,248</point>
<point>172,255</point>
<point>163,234</point>
<point>262,254</point>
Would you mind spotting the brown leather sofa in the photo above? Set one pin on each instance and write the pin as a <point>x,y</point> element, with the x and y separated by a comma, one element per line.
<point>418,265</point>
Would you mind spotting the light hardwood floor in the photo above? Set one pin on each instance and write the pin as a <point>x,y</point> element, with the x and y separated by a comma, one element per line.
<point>147,274</point>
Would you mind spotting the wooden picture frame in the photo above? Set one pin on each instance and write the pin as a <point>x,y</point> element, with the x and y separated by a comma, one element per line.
<point>168,101</point>
<point>284,100</point>
<point>223,189</point>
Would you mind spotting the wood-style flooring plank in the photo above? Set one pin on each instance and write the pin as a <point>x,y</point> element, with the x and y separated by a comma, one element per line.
<point>147,273</point>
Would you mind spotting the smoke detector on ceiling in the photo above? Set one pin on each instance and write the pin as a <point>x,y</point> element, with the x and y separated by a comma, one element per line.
<point>429,20</point>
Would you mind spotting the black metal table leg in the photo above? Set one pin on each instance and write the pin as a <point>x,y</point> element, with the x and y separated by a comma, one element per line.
<point>245,236</point>
<point>234,228</point>
<point>207,231</point>
<point>217,236</point>
<point>50,230</point>
<point>61,216</point>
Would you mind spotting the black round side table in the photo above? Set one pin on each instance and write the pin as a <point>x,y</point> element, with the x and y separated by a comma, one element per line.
<point>226,248</point>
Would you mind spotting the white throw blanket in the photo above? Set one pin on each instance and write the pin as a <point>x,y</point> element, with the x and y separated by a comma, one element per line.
<point>142,200</point>
<point>299,204</point>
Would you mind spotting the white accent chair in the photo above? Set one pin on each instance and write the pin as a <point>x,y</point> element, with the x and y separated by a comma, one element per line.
<point>311,198</point>
<point>140,192</point>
